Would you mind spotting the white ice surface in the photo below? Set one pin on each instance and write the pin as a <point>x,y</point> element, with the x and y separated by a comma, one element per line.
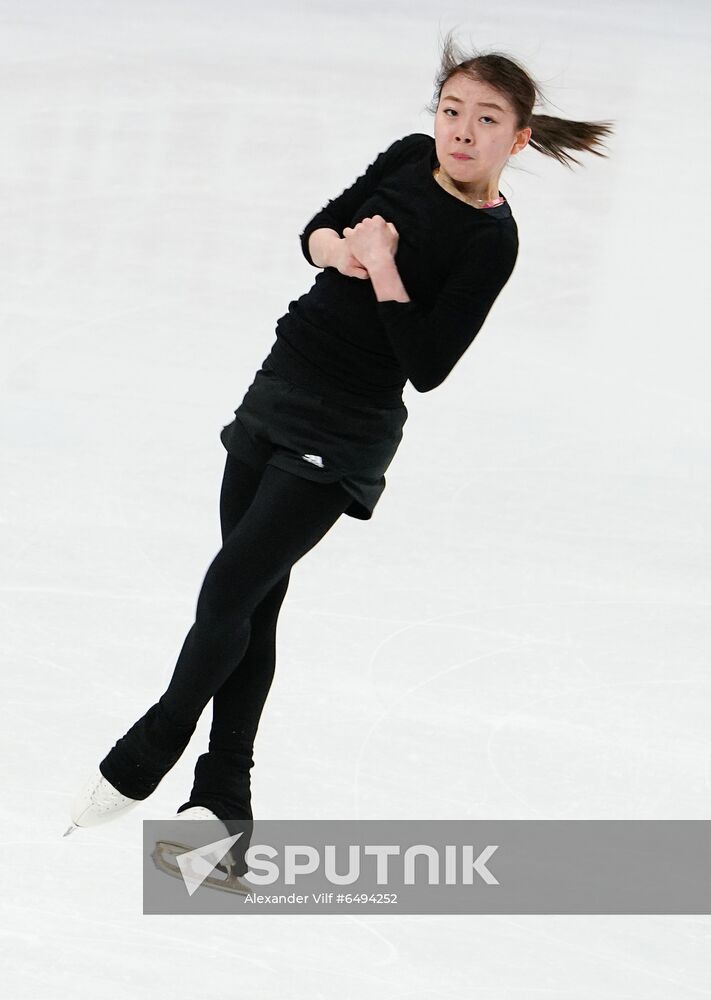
<point>521,631</point>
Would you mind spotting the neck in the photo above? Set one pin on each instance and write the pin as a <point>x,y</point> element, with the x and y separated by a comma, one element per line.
<point>470,193</point>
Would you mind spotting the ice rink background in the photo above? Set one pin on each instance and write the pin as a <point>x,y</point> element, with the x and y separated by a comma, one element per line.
<point>522,630</point>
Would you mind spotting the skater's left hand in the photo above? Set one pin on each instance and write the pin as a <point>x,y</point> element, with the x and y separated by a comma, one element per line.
<point>372,240</point>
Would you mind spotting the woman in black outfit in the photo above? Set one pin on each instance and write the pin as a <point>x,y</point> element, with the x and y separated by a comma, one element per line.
<point>414,254</point>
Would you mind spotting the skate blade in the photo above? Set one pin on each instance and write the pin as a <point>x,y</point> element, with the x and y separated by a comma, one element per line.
<point>165,851</point>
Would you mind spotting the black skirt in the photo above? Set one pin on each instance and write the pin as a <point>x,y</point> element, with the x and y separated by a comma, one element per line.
<point>317,436</point>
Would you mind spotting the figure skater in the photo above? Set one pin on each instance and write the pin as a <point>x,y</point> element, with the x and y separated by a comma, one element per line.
<point>412,256</point>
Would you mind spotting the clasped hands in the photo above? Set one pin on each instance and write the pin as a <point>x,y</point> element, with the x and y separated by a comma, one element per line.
<point>367,244</point>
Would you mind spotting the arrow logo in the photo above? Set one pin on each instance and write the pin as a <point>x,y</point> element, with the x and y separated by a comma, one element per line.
<point>196,865</point>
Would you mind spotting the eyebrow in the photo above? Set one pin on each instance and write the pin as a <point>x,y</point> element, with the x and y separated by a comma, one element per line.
<point>482,104</point>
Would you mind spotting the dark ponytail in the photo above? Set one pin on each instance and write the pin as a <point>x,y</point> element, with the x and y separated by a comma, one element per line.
<point>550,136</point>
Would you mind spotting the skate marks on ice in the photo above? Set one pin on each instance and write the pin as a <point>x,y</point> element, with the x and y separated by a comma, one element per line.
<point>576,674</point>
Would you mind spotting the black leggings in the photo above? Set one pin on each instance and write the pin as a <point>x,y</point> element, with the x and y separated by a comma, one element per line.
<point>270,518</point>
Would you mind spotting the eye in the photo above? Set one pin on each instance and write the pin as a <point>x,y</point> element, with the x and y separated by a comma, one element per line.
<point>482,116</point>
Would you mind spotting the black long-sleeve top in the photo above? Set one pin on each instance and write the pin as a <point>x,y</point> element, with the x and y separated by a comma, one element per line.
<point>453,260</point>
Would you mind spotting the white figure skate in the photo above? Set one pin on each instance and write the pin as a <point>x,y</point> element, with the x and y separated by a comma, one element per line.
<point>222,875</point>
<point>98,802</point>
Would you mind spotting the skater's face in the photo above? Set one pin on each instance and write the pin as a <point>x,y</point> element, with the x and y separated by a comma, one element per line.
<point>467,123</point>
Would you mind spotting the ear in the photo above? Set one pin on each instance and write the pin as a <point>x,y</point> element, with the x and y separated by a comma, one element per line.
<point>522,139</point>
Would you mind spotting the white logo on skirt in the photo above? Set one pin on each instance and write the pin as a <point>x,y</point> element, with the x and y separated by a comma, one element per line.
<point>314,459</point>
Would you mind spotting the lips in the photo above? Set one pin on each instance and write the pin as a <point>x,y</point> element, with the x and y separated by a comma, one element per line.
<point>461,156</point>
